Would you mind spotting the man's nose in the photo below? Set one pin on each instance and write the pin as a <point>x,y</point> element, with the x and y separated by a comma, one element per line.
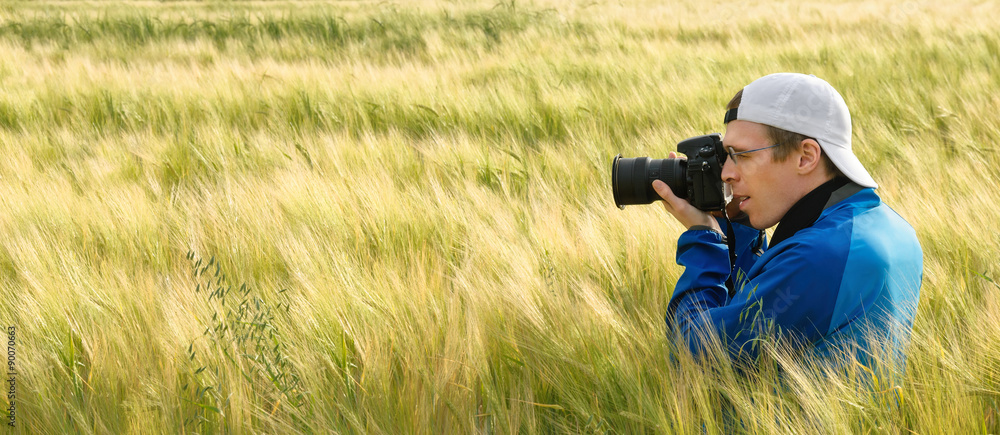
<point>729,173</point>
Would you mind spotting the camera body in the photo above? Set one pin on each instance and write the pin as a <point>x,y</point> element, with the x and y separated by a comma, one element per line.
<point>697,179</point>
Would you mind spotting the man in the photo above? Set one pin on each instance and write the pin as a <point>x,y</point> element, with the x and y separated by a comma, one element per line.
<point>841,267</point>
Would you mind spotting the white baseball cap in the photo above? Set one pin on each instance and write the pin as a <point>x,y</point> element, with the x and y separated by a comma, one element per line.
<point>809,106</point>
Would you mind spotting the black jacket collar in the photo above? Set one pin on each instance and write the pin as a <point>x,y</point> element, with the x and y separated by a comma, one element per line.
<point>805,212</point>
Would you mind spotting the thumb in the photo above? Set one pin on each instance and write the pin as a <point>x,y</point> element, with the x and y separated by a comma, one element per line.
<point>663,190</point>
<point>671,200</point>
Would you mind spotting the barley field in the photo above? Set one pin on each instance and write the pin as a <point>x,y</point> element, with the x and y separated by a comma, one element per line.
<point>396,216</point>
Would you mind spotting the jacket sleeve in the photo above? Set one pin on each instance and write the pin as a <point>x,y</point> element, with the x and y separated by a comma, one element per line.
<point>791,293</point>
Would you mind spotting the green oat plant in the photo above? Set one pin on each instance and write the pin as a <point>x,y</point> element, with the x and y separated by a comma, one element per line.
<point>243,331</point>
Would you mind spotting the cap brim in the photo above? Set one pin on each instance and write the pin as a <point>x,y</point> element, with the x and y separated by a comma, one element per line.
<point>849,164</point>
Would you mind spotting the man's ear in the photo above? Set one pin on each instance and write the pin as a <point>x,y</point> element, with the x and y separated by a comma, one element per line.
<point>810,156</point>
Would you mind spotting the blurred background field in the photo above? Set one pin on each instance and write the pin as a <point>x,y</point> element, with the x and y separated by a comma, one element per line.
<point>417,198</point>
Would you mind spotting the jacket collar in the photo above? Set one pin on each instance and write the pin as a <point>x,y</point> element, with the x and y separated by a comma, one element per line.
<point>806,211</point>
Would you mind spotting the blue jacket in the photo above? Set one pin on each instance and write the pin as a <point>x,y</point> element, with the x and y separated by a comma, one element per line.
<point>858,267</point>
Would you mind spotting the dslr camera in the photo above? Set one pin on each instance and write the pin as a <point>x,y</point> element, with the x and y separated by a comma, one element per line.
<point>697,179</point>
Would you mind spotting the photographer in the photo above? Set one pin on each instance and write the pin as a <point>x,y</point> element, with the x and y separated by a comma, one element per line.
<point>841,264</point>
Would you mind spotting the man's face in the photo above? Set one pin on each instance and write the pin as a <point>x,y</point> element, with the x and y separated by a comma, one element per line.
<point>766,189</point>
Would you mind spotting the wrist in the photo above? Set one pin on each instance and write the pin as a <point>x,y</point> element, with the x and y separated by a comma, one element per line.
<point>707,228</point>
<point>707,222</point>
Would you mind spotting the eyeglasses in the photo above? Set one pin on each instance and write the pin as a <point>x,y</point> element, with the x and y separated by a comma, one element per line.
<point>732,153</point>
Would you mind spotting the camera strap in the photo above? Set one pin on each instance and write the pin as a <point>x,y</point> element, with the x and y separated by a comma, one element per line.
<point>731,243</point>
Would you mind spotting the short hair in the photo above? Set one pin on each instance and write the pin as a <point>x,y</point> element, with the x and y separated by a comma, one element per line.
<point>787,141</point>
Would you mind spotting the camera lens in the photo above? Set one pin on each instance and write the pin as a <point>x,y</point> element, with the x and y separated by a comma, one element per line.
<point>632,179</point>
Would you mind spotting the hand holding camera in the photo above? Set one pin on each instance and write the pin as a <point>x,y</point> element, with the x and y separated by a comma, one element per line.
<point>685,213</point>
